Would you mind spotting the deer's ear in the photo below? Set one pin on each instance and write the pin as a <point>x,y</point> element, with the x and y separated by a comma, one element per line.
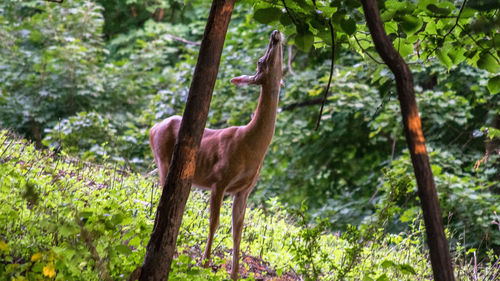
<point>243,80</point>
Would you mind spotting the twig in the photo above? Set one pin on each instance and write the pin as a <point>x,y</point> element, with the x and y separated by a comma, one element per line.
<point>182,39</point>
<point>153,187</point>
<point>331,74</point>
<point>452,28</point>
<point>475,266</point>
<point>55,1</point>
<point>394,145</point>
<point>288,12</point>
<point>7,147</point>
<point>366,52</point>
<point>382,103</point>
<point>494,270</point>
<point>477,44</point>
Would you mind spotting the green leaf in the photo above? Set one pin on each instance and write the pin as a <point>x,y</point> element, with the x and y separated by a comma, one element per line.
<point>35,36</point>
<point>285,20</point>
<point>353,4</point>
<point>409,215</point>
<point>123,249</point>
<point>304,39</point>
<point>443,58</point>
<point>86,214</point>
<point>496,40</point>
<point>423,3</point>
<point>326,36</point>
<point>391,27</point>
<point>318,23</point>
<point>438,10</point>
<point>471,251</point>
<point>117,219</point>
<point>66,230</point>
<point>430,27</point>
<point>493,133</point>
<point>394,5</point>
<point>405,49</point>
<point>387,264</point>
<point>338,16</point>
<point>4,246</point>
<point>267,15</point>
<point>383,277</point>
<point>407,269</point>
<point>184,259</point>
<point>484,5</point>
<point>487,62</point>
<point>494,85</point>
<point>456,55</point>
<point>348,25</point>
<point>410,24</point>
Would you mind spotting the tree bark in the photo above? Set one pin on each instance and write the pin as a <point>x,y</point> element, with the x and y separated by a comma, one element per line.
<point>436,239</point>
<point>161,246</point>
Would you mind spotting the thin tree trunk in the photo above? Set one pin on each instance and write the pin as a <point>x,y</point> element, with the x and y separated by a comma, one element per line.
<point>438,246</point>
<point>161,246</point>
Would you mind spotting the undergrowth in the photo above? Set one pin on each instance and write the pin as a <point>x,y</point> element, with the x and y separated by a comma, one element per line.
<point>64,219</point>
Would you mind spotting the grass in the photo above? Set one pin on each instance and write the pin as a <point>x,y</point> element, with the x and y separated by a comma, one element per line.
<point>64,219</point>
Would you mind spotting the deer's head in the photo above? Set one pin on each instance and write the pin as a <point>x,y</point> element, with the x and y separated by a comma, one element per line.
<point>269,67</point>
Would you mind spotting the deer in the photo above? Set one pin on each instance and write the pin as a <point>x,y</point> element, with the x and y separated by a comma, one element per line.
<point>229,160</point>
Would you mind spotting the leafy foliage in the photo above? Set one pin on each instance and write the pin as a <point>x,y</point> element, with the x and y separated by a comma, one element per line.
<point>361,125</point>
<point>73,219</point>
<point>62,218</point>
<point>89,78</point>
<point>307,248</point>
<point>49,62</point>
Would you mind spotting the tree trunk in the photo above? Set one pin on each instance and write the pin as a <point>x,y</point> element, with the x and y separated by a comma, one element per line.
<point>36,133</point>
<point>438,246</point>
<point>161,246</point>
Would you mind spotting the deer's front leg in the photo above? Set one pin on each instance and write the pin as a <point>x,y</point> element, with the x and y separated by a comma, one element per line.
<point>216,196</point>
<point>239,207</point>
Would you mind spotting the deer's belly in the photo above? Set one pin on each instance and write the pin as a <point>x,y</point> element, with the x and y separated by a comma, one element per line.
<point>232,181</point>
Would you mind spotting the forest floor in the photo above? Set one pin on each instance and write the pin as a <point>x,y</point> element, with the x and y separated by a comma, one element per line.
<point>262,270</point>
<point>44,198</point>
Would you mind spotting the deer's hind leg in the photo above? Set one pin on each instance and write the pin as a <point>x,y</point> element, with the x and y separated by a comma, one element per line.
<point>239,207</point>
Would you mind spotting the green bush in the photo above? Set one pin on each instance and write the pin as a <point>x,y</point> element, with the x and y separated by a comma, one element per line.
<point>62,218</point>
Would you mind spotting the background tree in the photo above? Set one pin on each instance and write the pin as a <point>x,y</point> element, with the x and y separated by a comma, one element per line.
<point>418,31</point>
<point>438,246</point>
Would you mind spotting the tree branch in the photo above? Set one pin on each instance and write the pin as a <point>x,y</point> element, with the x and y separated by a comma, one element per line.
<point>477,43</point>
<point>176,38</point>
<point>332,34</point>
<point>452,28</point>
<point>288,12</point>
<point>366,52</point>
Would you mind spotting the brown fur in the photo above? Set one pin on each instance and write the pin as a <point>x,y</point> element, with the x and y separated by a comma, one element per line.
<point>229,160</point>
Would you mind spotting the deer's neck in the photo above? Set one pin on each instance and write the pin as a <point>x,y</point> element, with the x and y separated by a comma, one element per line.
<point>260,130</point>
